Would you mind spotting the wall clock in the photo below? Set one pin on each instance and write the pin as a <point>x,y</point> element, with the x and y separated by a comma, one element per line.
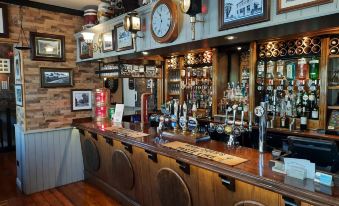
<point>164,21</point>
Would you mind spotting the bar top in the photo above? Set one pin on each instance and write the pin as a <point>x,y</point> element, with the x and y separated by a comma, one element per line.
<point>255,171</point>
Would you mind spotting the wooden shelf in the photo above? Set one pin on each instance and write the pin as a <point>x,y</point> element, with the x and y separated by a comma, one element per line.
<point>333,87</point>
<point>174,81</point>
<point>170,94</point>
<point>333,107</point>
<point>334,56</point>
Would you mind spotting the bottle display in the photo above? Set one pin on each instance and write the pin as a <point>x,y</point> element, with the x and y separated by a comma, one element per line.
<point>174,79</point>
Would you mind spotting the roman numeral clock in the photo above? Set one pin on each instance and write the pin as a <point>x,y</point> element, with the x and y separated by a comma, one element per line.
<point>164,21</point>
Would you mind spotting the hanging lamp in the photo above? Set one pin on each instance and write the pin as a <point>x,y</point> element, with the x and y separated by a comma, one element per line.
<point>22,35</point>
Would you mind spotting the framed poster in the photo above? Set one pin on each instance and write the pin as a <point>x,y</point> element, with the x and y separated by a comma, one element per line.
<point>236,13</point>
<point>55,77</point>
<point>18,95</point>
<point>47,47</point>
<point>107,42</point>
<point>284,6</point>
<point>3,21</point>
<point>85,49</point>
<point>81,100</point>
<point>17,67</point>
<point>122,39</point>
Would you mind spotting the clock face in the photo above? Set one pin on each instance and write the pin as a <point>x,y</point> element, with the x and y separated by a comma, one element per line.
<point>161,20</point>
<point>185,5</point>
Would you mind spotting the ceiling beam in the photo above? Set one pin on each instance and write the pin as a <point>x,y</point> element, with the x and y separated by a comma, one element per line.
<point>43,6</point>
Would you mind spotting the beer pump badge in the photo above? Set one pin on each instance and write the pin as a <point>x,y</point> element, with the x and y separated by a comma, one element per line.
<point>192,124</point>
<point>182,122</point>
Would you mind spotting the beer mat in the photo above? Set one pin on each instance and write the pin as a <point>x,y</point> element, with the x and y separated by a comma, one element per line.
<point>205,153</point>
<point>127,132</point>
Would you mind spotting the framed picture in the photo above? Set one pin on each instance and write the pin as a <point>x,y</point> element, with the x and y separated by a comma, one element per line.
<point>236,13</point>
<point>17,67</point>
<point>107,42</point>
<point>284,6</point>
<point>3,21</point>
<point>51,77</point>
<point>18,95</point>
<point>85,49</point>
<point>47,47</point>
<point>122,39</point>
<point>81,99</point>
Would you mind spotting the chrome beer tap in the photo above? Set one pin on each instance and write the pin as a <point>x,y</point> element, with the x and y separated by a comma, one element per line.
<point>261,112</point>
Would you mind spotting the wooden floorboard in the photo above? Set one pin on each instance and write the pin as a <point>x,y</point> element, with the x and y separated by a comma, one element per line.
<point>76,194</point>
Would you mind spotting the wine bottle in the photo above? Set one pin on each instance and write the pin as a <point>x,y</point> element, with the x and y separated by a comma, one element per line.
<point>314,108</point>
<point>303,120</point>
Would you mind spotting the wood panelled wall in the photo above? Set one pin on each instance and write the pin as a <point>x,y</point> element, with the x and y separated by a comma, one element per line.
<point>49,108</point>
<point>48,159</point>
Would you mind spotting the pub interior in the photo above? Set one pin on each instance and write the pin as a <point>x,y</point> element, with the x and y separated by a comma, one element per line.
<point>169,102</point>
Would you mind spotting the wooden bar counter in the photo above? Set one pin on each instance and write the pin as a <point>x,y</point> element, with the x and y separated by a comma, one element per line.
<point>138,171</point>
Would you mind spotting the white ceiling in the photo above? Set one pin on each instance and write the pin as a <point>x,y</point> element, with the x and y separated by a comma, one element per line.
<point>72,4</point>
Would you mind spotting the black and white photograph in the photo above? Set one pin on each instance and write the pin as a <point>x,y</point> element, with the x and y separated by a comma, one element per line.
<point>284,6</point>
<point>18,95</point>
<point>47,47</point>
<point>107,41</point>
<point>51,77</point>
<point>235,13</point>
<point>17,67</point>
<point>81,99</point>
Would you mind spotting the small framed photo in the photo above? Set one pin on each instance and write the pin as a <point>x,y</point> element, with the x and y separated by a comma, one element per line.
<point>122,39</point>
<point>18,95</point>
<point>236,13</point>
<point>3,21</point>
<point>17,67</point>
<point>47,47</point>
<point>85,49</point>
<point>81,99</point>
<point>51,77</point>
<point>107,41</point>
<point>284,6</point>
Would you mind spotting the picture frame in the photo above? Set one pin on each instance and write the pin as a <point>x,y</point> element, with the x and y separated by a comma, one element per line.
<point>81,100</point>
<point>47,47</point>
<point>284,6</point>
<point>56,77</point>
<point>231,17</point>
<point>122,39</point>
<point>17,67</point>
<point>3,21</point>
<point>85,49</point>
<point>18,95</point>
<point>107,41</point>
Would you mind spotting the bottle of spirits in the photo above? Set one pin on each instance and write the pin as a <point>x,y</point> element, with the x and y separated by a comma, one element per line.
<point>299,106</point>
<point>303,120</point>
<point>302,70</point>
<point>290,71</point>
<point>261,69</point>
<point>314,68</point>
<point>270,70</point>
<point>280,69</point>
<point>289,111</point>
<point>314,108</point>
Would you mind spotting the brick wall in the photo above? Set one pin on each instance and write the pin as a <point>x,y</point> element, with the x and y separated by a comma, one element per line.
<point>50,108</point>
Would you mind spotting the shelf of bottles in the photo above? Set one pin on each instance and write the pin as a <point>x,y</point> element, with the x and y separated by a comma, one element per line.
<point>236,94</point>
<point>287,79</point>
<point>333,84</point>
<point>173,74</point>
<point>129,71</point>
<point>196,82</point>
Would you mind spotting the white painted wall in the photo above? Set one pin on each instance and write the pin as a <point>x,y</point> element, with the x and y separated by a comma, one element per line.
<point>48,158</point>
<point>209,28</point>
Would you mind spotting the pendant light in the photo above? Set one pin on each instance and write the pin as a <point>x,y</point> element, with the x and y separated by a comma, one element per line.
<point>23,42</point>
